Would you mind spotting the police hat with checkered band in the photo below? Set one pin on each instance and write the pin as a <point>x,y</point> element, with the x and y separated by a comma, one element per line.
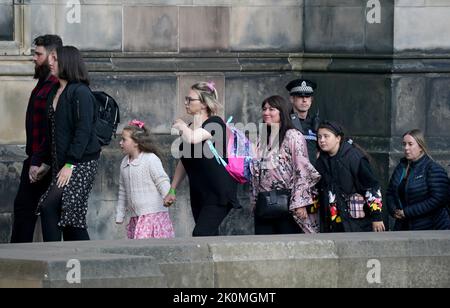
<point>301,87</point>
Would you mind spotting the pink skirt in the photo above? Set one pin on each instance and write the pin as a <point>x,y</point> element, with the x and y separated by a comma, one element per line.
<point>157,225</point>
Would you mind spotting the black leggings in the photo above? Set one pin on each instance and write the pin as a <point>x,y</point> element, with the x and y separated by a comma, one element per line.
<point>208,218</point>
<point>50,216</point>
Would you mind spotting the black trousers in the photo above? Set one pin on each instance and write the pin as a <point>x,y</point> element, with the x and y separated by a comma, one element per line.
<point>208,218</point>
<point>50,216</point>
<point>282,225</point>
<point>25,205</point>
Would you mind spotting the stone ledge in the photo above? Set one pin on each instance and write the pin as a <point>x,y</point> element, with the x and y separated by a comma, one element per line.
<point>241,62</point>
<point>51,271</point>
<point>176,2</point>
<point>408,259</point>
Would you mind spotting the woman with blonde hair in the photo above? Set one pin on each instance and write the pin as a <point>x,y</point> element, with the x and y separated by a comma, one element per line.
<point>213,191</point>
<point>418,191</point>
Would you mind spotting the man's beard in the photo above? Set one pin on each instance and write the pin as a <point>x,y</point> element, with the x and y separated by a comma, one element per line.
<point>41,71</point>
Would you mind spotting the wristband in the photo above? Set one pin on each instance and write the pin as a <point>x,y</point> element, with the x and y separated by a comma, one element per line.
<point>70,166</point>
<point>172,192</point>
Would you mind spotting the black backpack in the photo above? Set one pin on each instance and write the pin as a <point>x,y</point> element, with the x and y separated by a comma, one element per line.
<point>108,117</point>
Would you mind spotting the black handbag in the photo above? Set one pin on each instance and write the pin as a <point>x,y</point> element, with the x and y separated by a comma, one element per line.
<point>273,204</point>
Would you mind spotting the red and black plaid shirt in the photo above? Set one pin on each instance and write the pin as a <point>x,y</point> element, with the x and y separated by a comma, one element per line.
<point>36,121</point>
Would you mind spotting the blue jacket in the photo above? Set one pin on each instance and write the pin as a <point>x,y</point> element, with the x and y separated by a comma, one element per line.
<point>426,195</point>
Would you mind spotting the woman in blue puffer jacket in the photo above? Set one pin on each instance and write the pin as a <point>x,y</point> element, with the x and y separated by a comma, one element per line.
<point>418,192</point>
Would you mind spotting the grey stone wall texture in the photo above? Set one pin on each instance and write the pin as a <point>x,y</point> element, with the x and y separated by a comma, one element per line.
<point>380,70</point>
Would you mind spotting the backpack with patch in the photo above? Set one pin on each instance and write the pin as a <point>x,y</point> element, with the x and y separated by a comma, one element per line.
<point>239,154</point>
<point>108,117</point>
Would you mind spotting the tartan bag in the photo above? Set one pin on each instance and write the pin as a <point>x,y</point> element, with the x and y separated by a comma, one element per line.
<point>355,205</point>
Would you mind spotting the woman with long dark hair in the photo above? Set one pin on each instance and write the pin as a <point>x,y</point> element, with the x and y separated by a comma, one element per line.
<point>282,165</point>
<point>350,195</point>
<point>74,149</point>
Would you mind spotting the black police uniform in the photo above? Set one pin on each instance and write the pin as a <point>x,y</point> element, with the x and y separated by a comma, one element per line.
<point>308,127</point>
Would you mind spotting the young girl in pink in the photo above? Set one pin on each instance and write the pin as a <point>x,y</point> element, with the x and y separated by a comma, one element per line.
<point>143,185</point>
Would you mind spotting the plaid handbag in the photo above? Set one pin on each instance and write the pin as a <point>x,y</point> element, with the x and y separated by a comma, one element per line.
<point>355,205</point>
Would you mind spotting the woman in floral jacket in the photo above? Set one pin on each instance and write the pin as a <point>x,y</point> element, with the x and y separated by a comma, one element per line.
<point>282,163</point>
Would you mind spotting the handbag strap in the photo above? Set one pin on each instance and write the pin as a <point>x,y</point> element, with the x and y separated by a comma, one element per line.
<point>260,167</point>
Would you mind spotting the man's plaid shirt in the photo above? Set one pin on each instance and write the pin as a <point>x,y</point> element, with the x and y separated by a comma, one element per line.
<point>36,121</point>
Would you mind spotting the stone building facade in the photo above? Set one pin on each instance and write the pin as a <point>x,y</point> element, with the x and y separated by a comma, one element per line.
<point>382,67</point>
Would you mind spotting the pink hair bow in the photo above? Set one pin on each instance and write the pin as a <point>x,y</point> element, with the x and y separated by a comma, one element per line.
<point>137,123</point>
<point>211,85</point>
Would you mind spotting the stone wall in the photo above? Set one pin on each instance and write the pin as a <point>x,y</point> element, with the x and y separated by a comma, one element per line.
<point>377,79</point>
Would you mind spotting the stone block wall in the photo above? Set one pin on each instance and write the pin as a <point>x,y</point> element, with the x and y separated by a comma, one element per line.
<point>420,26</point>
<point>342,27</point>
<point>377,79</point>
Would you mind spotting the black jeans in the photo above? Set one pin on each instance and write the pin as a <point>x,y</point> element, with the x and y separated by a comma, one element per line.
<point>208,218</point>
<point>282,225</point>
<point>50,216</point>
<point>25,205</point>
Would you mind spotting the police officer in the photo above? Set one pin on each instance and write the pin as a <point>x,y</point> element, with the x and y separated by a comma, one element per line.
<point>301,95</point>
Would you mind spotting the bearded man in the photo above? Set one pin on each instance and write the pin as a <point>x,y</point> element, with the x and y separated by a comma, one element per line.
<point>35,176</point>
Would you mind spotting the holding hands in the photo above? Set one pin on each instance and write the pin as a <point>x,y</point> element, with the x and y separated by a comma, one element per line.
<point>171,198</point>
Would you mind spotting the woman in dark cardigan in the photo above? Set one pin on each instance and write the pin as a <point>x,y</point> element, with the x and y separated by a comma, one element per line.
<point>74,149</point>
<point>418,192</point>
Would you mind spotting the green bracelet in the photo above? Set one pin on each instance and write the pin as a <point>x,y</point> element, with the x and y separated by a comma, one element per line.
<point>70,166</point>
<point>172,192</point>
